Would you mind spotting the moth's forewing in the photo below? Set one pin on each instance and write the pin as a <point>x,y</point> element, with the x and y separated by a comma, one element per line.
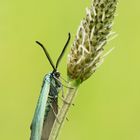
<point>49,121</point>
<point>37,123</point>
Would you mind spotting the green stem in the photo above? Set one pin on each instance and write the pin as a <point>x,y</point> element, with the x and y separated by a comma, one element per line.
<point>71,92</point>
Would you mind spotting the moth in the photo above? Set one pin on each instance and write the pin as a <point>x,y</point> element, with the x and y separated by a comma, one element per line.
<point>47,105</point>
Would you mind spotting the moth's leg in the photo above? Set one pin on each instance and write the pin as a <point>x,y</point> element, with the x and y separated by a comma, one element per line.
<point>67,86</point>
<point>63,84</point>
<point>65,101</point>
<point>60,108</point>
<point>64,79</point>
<point>54,113</point>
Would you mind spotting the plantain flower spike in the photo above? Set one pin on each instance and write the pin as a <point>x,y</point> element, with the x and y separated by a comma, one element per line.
<point>86,53</point>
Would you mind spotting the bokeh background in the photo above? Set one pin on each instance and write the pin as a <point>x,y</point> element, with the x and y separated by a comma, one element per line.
<point>107,106</point>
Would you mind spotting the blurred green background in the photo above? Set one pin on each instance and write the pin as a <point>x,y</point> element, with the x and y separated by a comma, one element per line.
<point>107,106</point>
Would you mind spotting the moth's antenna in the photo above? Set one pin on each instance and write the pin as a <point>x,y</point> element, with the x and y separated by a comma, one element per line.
<point>63,51</point>
<point>47,54</point>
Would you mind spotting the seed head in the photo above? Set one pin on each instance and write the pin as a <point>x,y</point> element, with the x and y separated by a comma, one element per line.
<point>86,52</point>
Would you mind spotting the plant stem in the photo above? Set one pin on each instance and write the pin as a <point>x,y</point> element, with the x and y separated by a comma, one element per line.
<point>71,92</point>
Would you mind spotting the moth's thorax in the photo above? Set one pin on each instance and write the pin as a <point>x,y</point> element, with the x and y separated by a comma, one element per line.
<point>55,83</point>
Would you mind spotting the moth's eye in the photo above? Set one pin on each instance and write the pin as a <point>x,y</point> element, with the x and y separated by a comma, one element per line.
<point>57,74</point>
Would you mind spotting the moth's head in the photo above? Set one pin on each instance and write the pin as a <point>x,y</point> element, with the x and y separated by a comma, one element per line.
<point>56,74</point>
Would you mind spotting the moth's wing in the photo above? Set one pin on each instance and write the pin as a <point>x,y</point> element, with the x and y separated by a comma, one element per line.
<point>37,123</point>
<point>49,121</point>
